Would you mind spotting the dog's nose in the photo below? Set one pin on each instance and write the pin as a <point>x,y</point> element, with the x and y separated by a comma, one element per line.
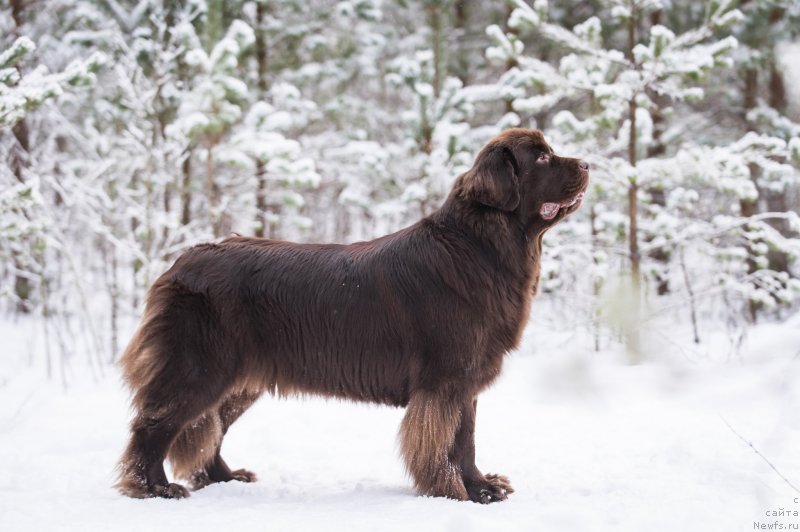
<point>583,165</point>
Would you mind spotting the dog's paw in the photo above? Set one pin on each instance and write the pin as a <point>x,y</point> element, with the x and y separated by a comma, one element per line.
<point>243,475</point>
<point>170,491</point>
<point>201,479</point>
<point>493,488</point>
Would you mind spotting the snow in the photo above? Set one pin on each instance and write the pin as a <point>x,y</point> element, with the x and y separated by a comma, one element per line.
<point>21,47</point>
<point>589,442</point>
<point>354,142</point>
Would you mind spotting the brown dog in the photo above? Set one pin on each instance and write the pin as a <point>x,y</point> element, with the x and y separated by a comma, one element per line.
<point>420,318</point>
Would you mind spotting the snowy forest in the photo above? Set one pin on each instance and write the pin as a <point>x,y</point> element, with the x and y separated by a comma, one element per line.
<point>131,130</point>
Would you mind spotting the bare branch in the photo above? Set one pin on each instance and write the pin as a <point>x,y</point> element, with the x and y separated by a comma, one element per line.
<point>750,444</point>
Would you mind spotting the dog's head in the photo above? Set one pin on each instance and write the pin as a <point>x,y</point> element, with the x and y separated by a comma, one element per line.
<point>518,172</point>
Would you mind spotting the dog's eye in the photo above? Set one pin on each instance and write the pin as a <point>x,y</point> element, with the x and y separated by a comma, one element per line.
<point>543,158</point>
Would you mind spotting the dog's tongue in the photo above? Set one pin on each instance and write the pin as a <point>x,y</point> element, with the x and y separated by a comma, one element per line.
<point>548,211</point>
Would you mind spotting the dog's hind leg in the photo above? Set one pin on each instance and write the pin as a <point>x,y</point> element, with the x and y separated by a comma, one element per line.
<point>230,410</point>
<point>153,431</point>
<point>481,488</point>
<point>427,436</point>
<point>175,369</point>
<point>195,455</point>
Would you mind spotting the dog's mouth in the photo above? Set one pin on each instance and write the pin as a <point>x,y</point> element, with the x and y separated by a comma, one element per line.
<point>550,210</point>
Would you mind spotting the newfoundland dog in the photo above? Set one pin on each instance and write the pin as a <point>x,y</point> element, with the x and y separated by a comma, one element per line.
<point>420,319</point>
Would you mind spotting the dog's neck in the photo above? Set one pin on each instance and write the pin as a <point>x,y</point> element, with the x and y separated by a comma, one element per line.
<point>519,251</point>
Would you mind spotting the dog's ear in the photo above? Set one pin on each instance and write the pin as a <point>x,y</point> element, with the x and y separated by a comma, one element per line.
<point>492,181</point>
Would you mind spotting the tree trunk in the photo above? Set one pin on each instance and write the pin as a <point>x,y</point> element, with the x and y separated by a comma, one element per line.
<point>749,207</point>
<point>658,197</point>
<point>261,221</point>
<point>461,24</point>
<point>186,190</point>
<point>633,188</point>
<point>512,63</point>
<point>750,90</point>
<point>776,201</point>
<point>19,160</point>
<point>777,88</point>
<point>437,44</point>
<point>597,282</point>
<point>114,293</point>
<point>213,193</point>
<point>19,153</point>
<point>633,200</point>
<point>633,337</point>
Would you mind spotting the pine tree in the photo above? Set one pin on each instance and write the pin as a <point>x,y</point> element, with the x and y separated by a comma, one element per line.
<point>605,88</point>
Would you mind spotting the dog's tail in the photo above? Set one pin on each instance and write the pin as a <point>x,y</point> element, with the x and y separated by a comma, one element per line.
<point>151,362</point>
<point>140,360</point>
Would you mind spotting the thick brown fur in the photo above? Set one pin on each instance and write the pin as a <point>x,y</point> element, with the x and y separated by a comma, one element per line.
<point>420,319</point>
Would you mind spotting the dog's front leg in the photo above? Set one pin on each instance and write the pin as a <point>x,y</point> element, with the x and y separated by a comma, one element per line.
<point>427,436</point>
<point>480,488</point>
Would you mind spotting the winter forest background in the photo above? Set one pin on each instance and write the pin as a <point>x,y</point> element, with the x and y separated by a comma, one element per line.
<point>132,130</point>
<point>664,347</point>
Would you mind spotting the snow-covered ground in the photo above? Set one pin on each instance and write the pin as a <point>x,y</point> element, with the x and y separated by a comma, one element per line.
<point>589,442</point>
